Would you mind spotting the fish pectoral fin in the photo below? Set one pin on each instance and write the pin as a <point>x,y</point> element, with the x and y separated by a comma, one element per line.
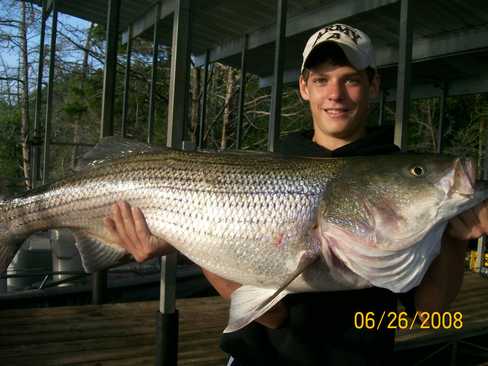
<point>97,255</point>
<point>250,302</point>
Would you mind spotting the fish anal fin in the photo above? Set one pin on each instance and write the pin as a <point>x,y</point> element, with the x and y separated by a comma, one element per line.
<point>9,246</point>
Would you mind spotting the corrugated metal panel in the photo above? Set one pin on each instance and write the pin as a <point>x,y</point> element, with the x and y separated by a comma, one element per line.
<point>96,10</point>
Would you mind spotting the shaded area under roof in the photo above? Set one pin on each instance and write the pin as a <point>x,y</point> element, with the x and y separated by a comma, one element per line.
<point>450,37</point>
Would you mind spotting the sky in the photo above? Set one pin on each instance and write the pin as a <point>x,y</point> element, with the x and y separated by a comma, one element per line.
<point>9,55</point>
<point>10,9</point>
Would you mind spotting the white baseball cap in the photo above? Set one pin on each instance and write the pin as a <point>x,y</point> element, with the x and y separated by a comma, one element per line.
<point>356,44</point>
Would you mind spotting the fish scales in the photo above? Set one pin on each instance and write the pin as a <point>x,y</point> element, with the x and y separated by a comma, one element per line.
<point>196,203</point>
<point>274,225</point>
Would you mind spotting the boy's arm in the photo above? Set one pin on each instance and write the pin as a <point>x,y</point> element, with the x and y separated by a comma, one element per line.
<point>443,280</point>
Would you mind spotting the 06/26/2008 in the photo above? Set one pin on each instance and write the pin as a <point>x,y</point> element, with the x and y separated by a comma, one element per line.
<point>421,319</point>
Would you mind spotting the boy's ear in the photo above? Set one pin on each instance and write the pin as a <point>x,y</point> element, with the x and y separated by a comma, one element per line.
<point>303,88</point>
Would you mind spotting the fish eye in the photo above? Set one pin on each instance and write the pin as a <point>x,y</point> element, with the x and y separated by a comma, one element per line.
<point>417,171</point>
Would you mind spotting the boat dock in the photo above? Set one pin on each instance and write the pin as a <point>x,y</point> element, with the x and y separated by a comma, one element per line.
<point>447,345</point>
<point>124,334</point>
<point>110,334</point>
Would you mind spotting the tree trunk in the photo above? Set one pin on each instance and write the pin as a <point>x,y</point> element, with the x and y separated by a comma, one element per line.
<point>24,96</point>
<point>84,74</point>
<point>229,93</point>
<point>136,126</point>
<point>430,121</point>
<point>195,102</point>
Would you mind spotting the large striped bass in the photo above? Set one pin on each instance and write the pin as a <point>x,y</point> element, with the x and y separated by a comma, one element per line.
<point>277,225</point>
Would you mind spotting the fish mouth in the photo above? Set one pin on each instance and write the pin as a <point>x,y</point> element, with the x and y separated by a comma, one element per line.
<point>460,180</point>
<point>464,178</point>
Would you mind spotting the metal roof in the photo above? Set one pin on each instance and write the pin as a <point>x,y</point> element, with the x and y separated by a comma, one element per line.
<point>96,10</point>
<point>450,37</point>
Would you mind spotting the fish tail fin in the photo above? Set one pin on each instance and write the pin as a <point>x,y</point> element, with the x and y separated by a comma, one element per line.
<point>10,241</point>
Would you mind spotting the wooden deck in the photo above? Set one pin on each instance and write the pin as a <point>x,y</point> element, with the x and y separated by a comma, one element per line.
<point>472,303</point>
<point>467,346</point>
<point>109,335</point>
<point>124,334</point>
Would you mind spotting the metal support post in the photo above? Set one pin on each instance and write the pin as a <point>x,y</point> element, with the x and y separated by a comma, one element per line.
<point>483,241</point>
<point>99,287</point>
<point>154,70</point>
<point>403,79</point>
<point>381,112</point>
<point>167,316</point>
<point>38,110</point>
<point>99,279</point>
<point>50,85</point>
<point>125,106</point>
<point>242,92</point>
<point>179,74</point>
<point>442,114</point>
<point>113,13</point>
<point>203,102</point>
<point>275,115</point>
<point>167,336</point>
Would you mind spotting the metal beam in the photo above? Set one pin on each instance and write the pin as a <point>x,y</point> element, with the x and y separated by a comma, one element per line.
<point>38,110</point>
<point>242,92</point>
<point>275,115</point>
<point>50,86</point>
<point>110,69</point>
<point>145,22</point>
<point>316,18</point>
<point>125,103</point>
<point>422,50</point>
<point>403,78</point>
<point>290,76</point>
<point>449,44</point>
<point>179,74</point>
<point>203,105</point>
<point>154,74</point>
<point>95,10</point>
<point>456,87</point>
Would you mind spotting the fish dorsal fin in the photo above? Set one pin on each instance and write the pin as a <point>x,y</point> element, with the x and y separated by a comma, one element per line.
<point>97,255</point>
<point>111,148</point>
<point>250,302</point>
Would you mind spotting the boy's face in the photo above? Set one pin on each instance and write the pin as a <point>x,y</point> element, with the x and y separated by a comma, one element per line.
<point>338,97</point>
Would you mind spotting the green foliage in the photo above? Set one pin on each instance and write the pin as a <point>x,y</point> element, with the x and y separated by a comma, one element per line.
<point>10,152</point>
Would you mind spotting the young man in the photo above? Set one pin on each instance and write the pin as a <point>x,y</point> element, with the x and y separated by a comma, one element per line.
<point>338,79</point>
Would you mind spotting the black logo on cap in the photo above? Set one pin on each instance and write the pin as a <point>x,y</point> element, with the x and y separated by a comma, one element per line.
<point>336,31</point>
